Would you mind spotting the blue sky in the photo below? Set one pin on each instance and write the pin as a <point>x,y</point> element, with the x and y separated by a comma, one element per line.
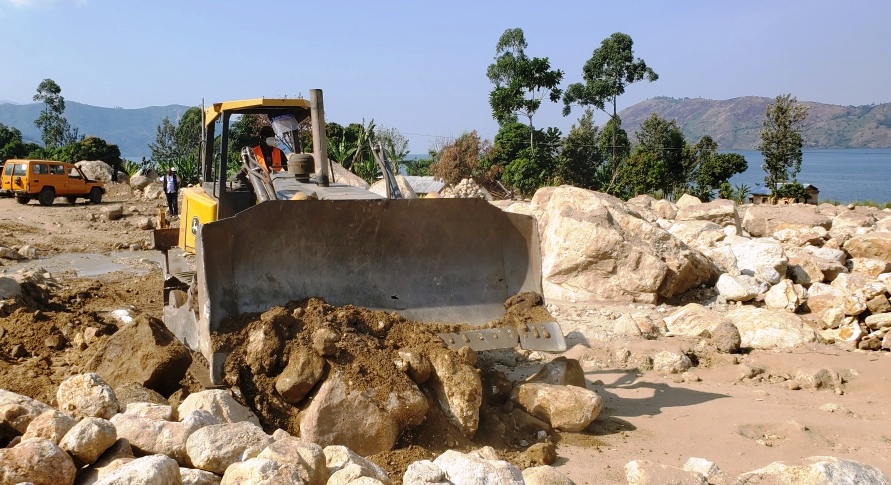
<point>419,66</point>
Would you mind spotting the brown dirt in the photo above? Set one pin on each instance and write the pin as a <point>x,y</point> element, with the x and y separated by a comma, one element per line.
<point>739,424</point>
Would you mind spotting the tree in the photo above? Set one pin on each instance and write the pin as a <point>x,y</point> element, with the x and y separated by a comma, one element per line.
<point>521,82</point>
<point>54,128</point>
<point>781,141</point>
<point>187,134</point>
<point>715,171</point>
<point>395,145</point>
<point>580,159</point>
<point>611,68</point>
<point>11,145</point>
<point>461,159</point>
<point>90,148</point>
<point>664,141</point>
<point>164,147</point>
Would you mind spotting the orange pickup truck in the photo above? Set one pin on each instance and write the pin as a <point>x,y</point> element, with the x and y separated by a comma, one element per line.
<point>45,180</point>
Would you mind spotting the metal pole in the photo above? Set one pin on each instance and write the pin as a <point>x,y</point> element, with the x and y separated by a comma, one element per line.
<point>319,140</point>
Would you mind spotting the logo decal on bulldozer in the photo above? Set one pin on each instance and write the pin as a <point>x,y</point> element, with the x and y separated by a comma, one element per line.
<point>194,226</point>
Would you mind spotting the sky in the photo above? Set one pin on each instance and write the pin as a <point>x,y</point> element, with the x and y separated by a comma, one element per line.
<point>420,66</point>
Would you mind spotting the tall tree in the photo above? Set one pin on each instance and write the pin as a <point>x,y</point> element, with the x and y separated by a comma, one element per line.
<point>461,158</point>
<point>611,68</point>
<point>54,128</point>
<point>164,147</point>
<point>11,145</point>
<point>187,134</point>
<point>664,141</point>
<point>521,82</point>
<point>580,159</point>
<point>781,140</point>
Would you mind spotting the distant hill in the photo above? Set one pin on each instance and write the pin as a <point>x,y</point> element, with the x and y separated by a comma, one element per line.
<point>735,123</point>
<point>130,129</point>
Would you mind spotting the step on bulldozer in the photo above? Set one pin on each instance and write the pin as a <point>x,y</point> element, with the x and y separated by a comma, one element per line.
<point>299,233</point>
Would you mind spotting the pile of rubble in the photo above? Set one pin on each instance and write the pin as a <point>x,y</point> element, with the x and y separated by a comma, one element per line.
<point>466,189</point>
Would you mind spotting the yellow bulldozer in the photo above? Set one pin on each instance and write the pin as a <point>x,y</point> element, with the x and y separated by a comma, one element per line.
<point>297,234</point>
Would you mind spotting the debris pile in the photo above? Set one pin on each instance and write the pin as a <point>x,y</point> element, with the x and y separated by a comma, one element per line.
<point>466,189</point>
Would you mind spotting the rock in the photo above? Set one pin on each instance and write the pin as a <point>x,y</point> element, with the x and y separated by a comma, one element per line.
<point>847,335</point>
<point>813,378</point>
<point>112,212</point>
<point>134,393</point>
<point>260,470</point>
<point>308,458</point>
<point>694,320</point>
<point>671,362</point>
<point>816,470</point>
<point>869,267</point>
<point>9,288</point>
<point>882,320</point>
<point>562,372</point>
<point>191,476</point>
<point>886,341</point>
<point>458,390</point>
<point>854,304</point>
<point>419,368</point>
<point>873,245</point>
<point>763,258</point>
<point>153,191</point>
<point>38,461</point>
<point>265,344</point>
<point>496,387</point>
<point>605,252</point>
<point>9,253</point>
<point>687,200</point>
<point>701,235</point>
<point>140,181</point>
<point>151,436</point>
<point>88,439</point>
<point>55,342</point>
<point>541,454</point>
<point>567,408</point>
<point>17,412</point>
<point>721,212</point>
<point>626,326</point>
<point>706,468</point>
<point>51,425</point>
<point>86,395</point>
<point>764,220</point>
<point>157,360</point>
<point>148,470</point>
<point>324,341</point>
<point>785,296</point>
<point>213,448</point>
<point>770,329</point>
<point>344,416</point>
<point>118,455</point>
<point>470,468</point>
<point>354,474</point>
<point>95,170</point>
<point>338,457</point>
<point>545,475</point>
<point>726,338</point>
<point>305,368</point>
<point>425,472</point>
<point>646,472</point>
<point>148,410</point>
<point>380,188</point>
<point>220,404</point>
<point>739,288</point>
<point>878,305</point>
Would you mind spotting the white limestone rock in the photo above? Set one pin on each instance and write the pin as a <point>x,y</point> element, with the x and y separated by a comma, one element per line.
<point>220,404</point>
<point>213,448</point>
<point>86,395</point>
<point>88,439</point>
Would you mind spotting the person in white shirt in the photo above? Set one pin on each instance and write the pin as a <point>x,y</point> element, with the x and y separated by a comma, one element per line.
<point>170,181</point>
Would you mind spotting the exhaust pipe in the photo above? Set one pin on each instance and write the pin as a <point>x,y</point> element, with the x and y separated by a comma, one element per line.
<point>319,140</point>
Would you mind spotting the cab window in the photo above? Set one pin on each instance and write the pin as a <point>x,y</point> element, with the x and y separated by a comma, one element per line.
<point>57,169</point>
<point>73,173</point>
<point>39,169</point>
<point>7,169</point>
<point>20,169</point>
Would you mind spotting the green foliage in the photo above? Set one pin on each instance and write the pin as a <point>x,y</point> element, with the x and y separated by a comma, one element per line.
<point>164,147</point>
<point>741,193</point>
<point>793,190</point>
<point>395,145</point>
<point>90,148</point>
<point>187,168</point>
<point>419,166</point>
<point>130,167</point>
<point>187,135</point>
<point>11,145</point>
<point>664,143</point>
<point>521,82</point>
<point>643,173</point>
<point>462,159</point>
<point>581,160</point>
<point>54,128</point>
<point>715,170</point>
<point>781,140</point>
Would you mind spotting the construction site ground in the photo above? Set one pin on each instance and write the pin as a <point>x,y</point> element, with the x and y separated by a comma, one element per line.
<point>739,423</point>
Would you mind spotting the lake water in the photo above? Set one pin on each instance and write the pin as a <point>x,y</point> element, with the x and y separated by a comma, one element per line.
<point>844,175</point>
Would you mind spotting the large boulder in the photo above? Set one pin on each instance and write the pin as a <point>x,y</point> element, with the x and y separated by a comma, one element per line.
<point>309,458</point>
<point>95,170</point>
<point>88,439</point>
<point>764,220</point>
<point>153,436</point>
<point>763,258</point>
<point>567,408</point>
<point>562,372</point>
<point>87,395</point>
<point>595,248</point>
<point>646,472</point>
<point>694,320</point>
<point>380,188</point>
<point>458,389</point>
<point>339,457</point>
<point>697,234</point>
<point>260,470</point>
<point>145,353</point>
<point>220,404</point>
<point>816,470</point>
<point>721,212</point>
<point>51,425</point>
<point>17,412</point>
<point>478,467</point>
<point>344,176</point>
<point>148,470</point>
<point>38,461</point>
<point>213,448</point>
<point>874,245</point>
<point>761,328</point>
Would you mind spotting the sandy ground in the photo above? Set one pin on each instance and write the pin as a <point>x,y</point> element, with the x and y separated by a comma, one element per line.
<point>741,424</point>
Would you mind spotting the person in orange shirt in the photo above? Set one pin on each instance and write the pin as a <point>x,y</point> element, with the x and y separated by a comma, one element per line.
<point>269,156</point>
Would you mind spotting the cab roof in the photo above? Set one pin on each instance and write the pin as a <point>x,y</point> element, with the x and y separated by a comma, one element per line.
<point>259,106</point>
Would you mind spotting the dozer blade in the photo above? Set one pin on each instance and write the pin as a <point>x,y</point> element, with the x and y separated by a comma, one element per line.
<point>534,336</point>
<point>439,260</point>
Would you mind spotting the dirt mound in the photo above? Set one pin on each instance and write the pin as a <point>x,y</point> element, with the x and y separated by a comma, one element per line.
<point>367,353</point>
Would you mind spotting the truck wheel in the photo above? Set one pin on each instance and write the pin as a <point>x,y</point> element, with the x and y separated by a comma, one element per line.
<point>71,200</point>
<point>46,196</point>
<point>22,200</point>
<point>96,195</point>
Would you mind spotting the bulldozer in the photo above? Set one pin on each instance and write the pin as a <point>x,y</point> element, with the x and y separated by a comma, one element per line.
<point>299,233</point>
